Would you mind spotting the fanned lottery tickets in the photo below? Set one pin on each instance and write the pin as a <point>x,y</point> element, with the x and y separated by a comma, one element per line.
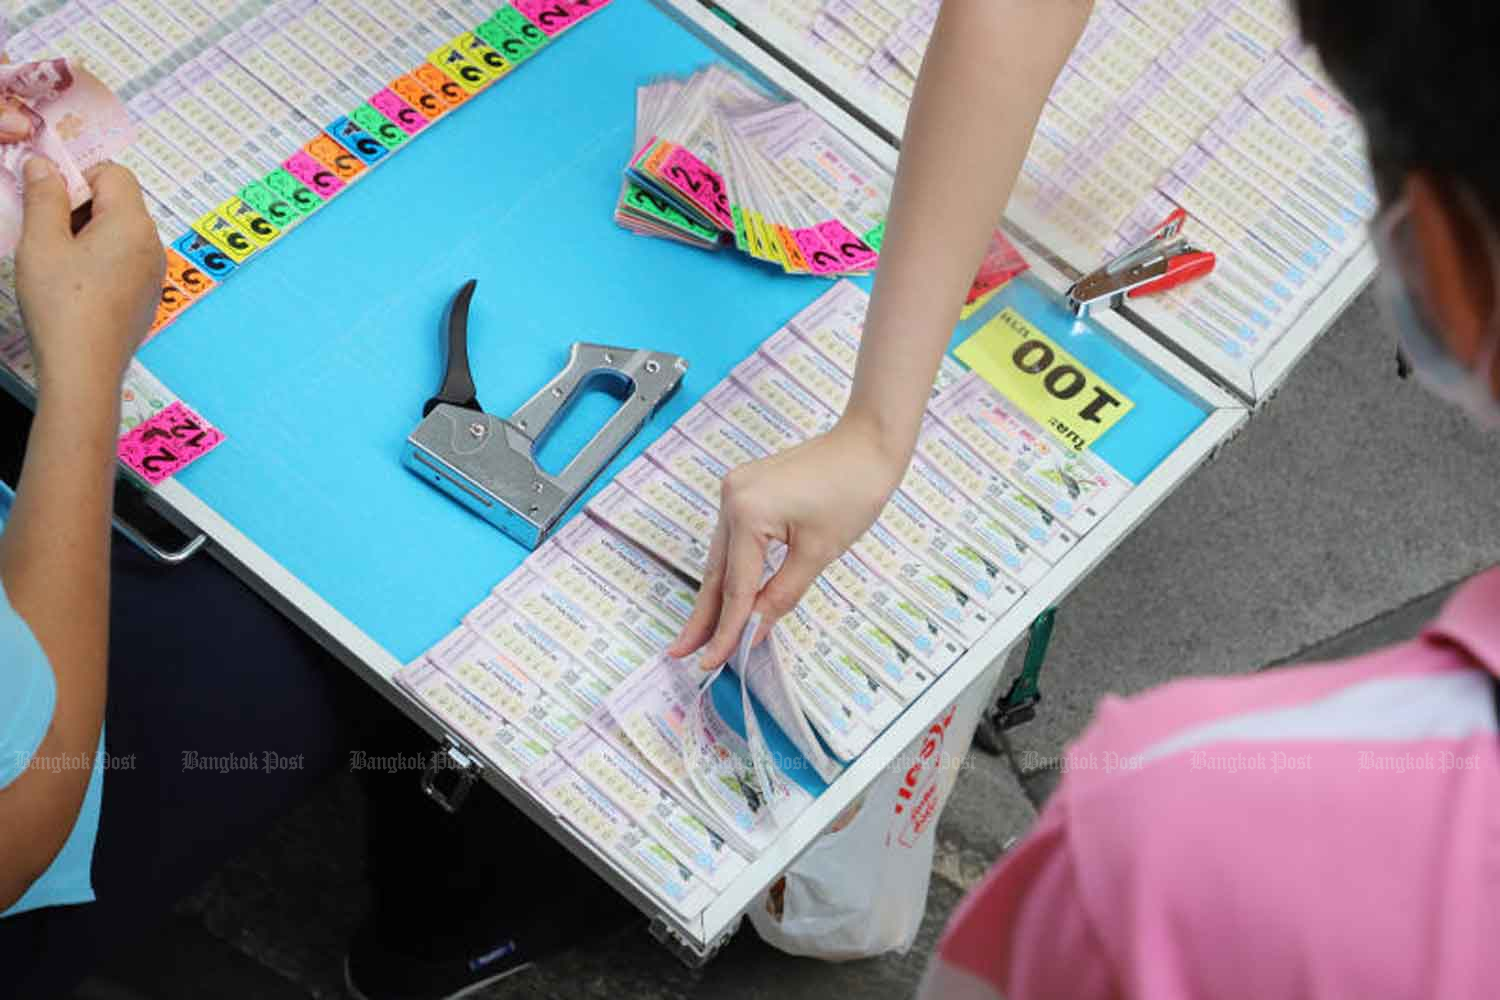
<point>717,161</point>
<point>73,120</point>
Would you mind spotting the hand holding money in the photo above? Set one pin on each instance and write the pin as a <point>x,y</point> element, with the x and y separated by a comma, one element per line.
<point>87,297</point>
<point>60,111</point>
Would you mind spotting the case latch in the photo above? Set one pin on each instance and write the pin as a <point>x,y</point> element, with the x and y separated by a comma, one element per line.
<point>446,792</point>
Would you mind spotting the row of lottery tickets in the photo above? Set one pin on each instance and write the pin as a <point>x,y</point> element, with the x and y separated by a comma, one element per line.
<point>1216,107</point>
<point>559,677</point>
<point>251,116</point>
<point>718,161</point>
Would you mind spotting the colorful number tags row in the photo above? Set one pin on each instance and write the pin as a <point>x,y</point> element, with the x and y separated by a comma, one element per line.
<point>264,208</point>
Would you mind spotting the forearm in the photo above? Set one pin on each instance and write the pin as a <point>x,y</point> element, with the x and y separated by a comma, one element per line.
<point>54,562</point>
<point>54,553</point>
<point>986,75</point>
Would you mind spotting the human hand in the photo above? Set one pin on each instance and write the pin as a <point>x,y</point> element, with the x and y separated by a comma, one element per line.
<point>818,499</point>
<point>87,298</point>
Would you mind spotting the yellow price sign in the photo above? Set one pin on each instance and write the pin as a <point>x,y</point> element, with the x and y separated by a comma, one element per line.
<point>1049,385</point>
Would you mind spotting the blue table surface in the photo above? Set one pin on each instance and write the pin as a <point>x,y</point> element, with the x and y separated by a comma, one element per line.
<point>315,357</point>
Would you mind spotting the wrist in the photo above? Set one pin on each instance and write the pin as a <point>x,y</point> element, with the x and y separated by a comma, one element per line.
<point>887,442</point>
<point>89,398</point>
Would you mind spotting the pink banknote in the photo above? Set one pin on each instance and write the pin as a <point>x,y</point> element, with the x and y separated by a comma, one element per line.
<point>75,121</point>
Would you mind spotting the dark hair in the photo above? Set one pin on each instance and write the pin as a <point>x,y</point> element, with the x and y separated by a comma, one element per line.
<point>1425,78</point>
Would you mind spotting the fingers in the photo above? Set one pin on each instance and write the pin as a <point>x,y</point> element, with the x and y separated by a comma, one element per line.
<point>782,592</point>
<point>742,572</point>
<point>46,212</point>
<point>115,189</point>
<point>700,624</point>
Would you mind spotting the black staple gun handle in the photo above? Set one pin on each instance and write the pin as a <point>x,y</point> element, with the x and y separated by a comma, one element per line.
<point>458,381</point>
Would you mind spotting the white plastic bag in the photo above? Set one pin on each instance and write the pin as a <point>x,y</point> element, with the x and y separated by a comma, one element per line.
<point>861,889</point>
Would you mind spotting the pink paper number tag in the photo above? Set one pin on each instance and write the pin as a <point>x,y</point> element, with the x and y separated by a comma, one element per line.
<point>552,16</point>
<point>699,182</point>
<point>168,442</point>
<point>820,258</point>
<point>856,254</point>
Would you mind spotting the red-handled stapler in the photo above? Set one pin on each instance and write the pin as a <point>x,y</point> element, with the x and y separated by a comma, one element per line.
<point>1163,261</point>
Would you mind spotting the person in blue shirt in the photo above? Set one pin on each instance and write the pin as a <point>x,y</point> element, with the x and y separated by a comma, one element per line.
<point>134,697</point>
<point>88,299</point>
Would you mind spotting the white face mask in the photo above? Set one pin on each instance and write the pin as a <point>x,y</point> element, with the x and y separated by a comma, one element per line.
<point>1403,302</point>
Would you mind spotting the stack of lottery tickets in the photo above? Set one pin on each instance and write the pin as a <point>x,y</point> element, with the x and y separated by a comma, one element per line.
<point>560,678</point>
<point>719,163</point>
<point>716,161</point>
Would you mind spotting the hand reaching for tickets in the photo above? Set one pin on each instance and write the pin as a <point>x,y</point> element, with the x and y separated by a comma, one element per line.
<point>818,499</point>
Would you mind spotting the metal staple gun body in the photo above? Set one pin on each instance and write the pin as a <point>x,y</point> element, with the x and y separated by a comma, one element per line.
<point>488,463</point>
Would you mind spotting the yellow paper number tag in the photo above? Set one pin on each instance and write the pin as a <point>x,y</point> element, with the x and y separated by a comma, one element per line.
<point>1049,385</point>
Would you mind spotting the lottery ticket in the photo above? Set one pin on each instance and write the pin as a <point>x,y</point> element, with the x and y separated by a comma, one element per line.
<point>725,774</point>
<point>251,46</point>
<point>865,698</point>
<point>1246,128</point>
<point>1266,221</point>
<point>610,655</point>
<point>970,568</point>
<point>689,464</point>
<point>773,386</point>
<point>878,654</point>
<point>631,633</point>
<point>651,711</point>
<point>922,632</point>
<point>922,583</point>
<point>512,750</point>
<point>201,133</point>
<point>540,656</point>
<point>671,497</point>
<point>628,568</point>
<point>503,684</point>
<point>752,417</point>
<point>825,704</point>
<point>723,441</point>
<point>1077,487</point>
<point>655,532</point>
<point>763,674</point>
<point>592,814</point>
<point>632,788</point>
<point>811,368</point>
<point>946,503</point>
<point>833,323</point>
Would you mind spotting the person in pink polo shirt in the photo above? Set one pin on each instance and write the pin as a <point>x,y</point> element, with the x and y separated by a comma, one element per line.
<point>1331,830</point>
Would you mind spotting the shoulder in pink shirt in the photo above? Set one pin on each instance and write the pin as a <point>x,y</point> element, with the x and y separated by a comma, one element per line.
<point>1325,831</point>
